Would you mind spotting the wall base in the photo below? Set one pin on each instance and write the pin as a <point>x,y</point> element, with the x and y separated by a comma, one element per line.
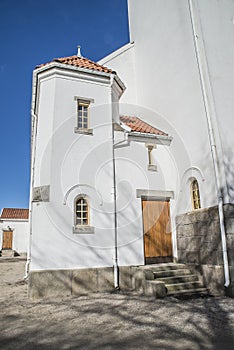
<point>77,282</point>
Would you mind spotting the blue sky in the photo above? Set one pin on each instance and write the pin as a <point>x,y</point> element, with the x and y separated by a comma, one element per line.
<point>34,32</point>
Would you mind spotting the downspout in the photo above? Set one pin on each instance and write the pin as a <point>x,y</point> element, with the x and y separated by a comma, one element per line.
<point>210,116</point>
<point>116,267</point>
<point>33,151</point>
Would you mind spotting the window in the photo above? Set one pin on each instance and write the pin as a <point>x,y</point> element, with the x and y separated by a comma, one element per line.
<point>82,216</point>
<point>151,165</point>
<point>81,212</point>
<point>150,149</point>
<point>83,115</point>
<point>195,194</point>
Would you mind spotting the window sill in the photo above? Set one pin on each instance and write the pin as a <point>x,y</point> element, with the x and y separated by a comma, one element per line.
<point>83,131</point>
<point>152,168</point>
<point>83,229</point>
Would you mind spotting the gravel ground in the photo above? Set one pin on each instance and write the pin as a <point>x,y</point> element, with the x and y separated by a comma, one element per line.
<point>109,321</point>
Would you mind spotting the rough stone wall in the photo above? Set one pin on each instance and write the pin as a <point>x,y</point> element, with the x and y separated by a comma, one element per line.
<point>199,245</point>
<point>76,282</point>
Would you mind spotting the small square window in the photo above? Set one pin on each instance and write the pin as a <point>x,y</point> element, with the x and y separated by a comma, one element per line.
<point>151,165</point>
<point>83,115</point>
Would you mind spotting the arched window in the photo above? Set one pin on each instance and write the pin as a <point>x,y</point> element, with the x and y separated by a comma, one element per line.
<point>195,195</point>
<point>81,212</point>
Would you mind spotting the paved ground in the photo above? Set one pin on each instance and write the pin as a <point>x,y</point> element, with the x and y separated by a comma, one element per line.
<point>109,321</point>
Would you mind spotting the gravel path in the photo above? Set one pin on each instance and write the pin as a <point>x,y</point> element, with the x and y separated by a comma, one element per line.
<point>109,321</point>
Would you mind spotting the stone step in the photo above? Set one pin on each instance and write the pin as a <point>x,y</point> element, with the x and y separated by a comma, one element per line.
<point>188,292</point>
<point>8,253</point>
<point>163,266</point>
<point>171,273</point>
<point>168,279</point>
<point>179,279</point>
<point>155,288</point>
<point>183,286</point>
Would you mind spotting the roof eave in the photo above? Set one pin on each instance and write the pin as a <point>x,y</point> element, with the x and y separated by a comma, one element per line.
<point>70,67</point>
<point>116,53</point>
<point>12,219</point>
<point>157,139</point>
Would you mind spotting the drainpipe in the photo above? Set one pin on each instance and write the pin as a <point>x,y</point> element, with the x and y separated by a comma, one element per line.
<point>116,267</point>
<point>33,151</point>
<point>210,116</point>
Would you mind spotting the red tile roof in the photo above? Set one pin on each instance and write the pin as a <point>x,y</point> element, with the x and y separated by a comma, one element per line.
<point>14,213</point>
<point>138,125</point>
<point>80,62</point>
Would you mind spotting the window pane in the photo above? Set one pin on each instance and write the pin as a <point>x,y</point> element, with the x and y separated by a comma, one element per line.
<point>83,115</point>
<point>195,195</point>
<point>78,221</point>
<point>82,213</point>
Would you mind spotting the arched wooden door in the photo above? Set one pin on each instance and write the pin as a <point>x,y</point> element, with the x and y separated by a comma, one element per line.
<point>157,231</point>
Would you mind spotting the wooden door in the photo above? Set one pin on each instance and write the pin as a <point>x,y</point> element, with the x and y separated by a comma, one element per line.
<point>157,231</point>
<point>7,239</point>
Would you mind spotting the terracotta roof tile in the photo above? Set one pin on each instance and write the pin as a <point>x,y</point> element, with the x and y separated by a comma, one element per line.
<point>14,213</point>
<point>80,62</point>
<point>138,125</point>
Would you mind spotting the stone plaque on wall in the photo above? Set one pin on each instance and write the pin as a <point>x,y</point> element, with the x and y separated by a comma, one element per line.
<point>41,194</point>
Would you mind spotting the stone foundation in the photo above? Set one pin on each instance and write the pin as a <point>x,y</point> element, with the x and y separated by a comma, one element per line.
<point>199,245</point>
<point>77,282</point>
<point>64,283</point>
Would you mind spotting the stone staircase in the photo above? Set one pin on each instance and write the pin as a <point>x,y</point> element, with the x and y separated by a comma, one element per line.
<point>168,279</point>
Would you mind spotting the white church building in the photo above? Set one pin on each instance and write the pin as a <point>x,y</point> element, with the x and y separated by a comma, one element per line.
<point>132,165</point>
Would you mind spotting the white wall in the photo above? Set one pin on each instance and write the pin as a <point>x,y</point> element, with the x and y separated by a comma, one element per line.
<point>132,174</point>
<point>124,65</point>
<point>20,234</point>
<point>163,87</point>
<point>68,159</point>
<point>218,35</point>
<point>167,86</point>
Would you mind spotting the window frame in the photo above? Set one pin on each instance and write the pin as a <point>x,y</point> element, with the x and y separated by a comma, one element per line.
<point>151,165</point>
<point>195,195</point>
<point>80,118</point>
<point>82,218</point>
<point>82,228</point>
<point>84,102</point>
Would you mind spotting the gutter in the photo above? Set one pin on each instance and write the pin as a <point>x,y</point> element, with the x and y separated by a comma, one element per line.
<point>211,117</point>
<point>157,139</point>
